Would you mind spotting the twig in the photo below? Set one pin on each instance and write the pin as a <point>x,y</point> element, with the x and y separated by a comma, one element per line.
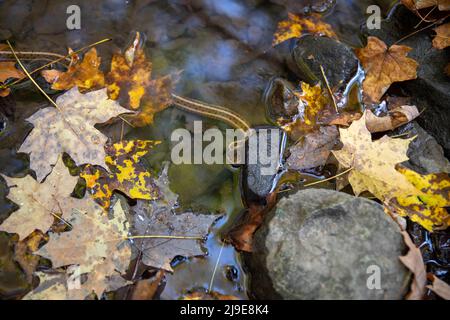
<point>29,76</point>
<point>328,179</point>
<point>215,268</point>
<point>420,30</point>
<point>60,59</point>
<point>329,89</point>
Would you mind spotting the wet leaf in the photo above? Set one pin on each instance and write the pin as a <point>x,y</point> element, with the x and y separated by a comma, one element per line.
<point>313,149</point>
<point>210,295</point>
<point>384,66</point>
<point>85,74</point>
<point>146,289</point>
<point>96,245</point>
<point>296,26</point>
<point>414,262</point>
<point>442,38</point>
<point>127,173</point>
<point>443,5</point>
<point>24,250</point>
<point>8,70</point>
<point>439,287</point>
<point>429,208</point>
<point>314,104</point>
<point>173,231</point>
<point>394,119</point>
<point>40,202</point>
<point>131,84</point>
<point>70,129</point>
<point>241,236</point>
<point>422,198</point>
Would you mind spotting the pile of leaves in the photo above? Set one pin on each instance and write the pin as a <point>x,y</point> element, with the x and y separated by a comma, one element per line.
<point>92,240</point>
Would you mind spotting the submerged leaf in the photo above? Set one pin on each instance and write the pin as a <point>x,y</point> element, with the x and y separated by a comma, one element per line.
<point>40,202</point>
<point>127,173</point>
<point>85,75</point>
<point>296,26</point>
<point>414,262</point>
<point>442,38</point>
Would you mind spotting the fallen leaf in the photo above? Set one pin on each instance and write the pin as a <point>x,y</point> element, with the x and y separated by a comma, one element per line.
<point>156,218</point>
<point>384,66</point>
<point>414,262</point>
<point>442,38</point>
<point>296,26</point>
<point>209,295</point>
<point>374,169</point>
<point>313,105</point>
<point>70,129</point>
<point>146,289</point>
<point>394,119</point>
<point>51,76</point>
<point>241,236</point>
<point>23,252</point>
<point>127,173</point>
<point>85,75</point>
<point>313,149</point>
<point>343,118</point>
<point>443,5</point>
<point>429,208</point>
<point>439,287</point>
<point>40,202</point>
<point>8,70</point>
<point>96,245</point>
<point>373,162</point>
<point>5,92</point>
<point>129,82</point>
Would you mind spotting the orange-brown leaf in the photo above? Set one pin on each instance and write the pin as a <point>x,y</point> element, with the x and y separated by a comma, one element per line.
<point>439,287</point>
<point>442,38</point>
<point>8,70</point>
<point>296,26</point>
<point>384,66</point>
<point>413,261</point>
<point>86,75</point>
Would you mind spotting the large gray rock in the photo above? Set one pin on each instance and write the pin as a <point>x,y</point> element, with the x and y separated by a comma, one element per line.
<point>319,244</point>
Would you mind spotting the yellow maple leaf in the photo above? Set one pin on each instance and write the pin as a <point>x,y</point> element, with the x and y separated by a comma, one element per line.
<point>427,209</point>
<point>313,102</point>
<point>127,174</point>
<point>384,66</point>
<point>86,75</point>
<point>374,163</point>
<point>297,25</point>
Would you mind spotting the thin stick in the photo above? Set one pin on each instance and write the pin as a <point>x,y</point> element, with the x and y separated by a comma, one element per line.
<point>215,267</point>
<point>29,76</point>
<point>58,217</point>
<point>330,178</point>
<point>401,135</point>
<point>60,59</point>
<point>126,121</point>
<point>420,30</point>
<point>329,89</point>
<point>164,237</point>
<point>423,19</point>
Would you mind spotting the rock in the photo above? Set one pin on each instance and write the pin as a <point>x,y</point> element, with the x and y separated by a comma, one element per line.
<point>257,184</point>
<point>319,244</point>
<point>425,154</point>
<point>431,89</point>
<point>338,61</point>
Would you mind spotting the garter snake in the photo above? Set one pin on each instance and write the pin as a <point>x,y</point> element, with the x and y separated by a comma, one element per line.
<point>191,105</point>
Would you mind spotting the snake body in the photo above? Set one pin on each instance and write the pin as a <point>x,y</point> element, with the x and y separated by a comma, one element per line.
<point>191,105</point>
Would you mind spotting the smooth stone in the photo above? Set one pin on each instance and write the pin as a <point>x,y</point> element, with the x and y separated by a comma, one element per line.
<point>319,244</point>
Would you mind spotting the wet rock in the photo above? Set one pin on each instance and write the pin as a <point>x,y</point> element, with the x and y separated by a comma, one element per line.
<point>425,154</point>
<point>431,89</point>
<point>338,61</point>
<point>257,182</point>
<point>319,244</point>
